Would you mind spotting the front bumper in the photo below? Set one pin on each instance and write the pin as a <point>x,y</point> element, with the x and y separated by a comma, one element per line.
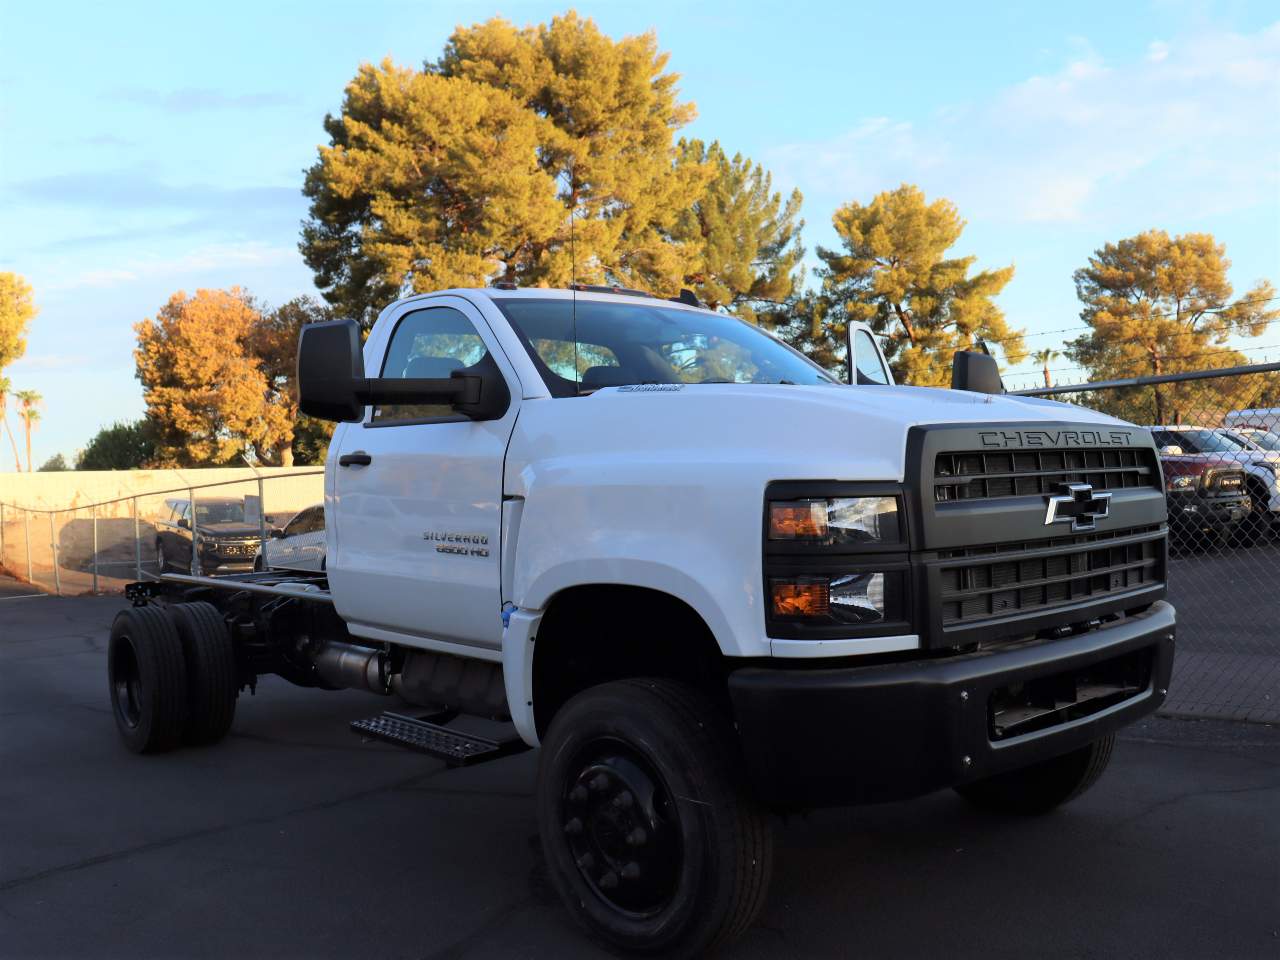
<point>1194,510</point>
<point>827,737</point>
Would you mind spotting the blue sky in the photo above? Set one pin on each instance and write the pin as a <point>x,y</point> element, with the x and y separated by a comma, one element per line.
<point>147,148</point>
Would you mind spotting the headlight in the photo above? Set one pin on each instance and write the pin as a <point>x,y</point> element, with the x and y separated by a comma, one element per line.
<point>1182,481</point>
<point>834,521</point>
<point>863,597</point>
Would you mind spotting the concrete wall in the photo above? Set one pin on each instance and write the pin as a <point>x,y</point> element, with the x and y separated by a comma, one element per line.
<point>79,546</point>
<point>80,488</point>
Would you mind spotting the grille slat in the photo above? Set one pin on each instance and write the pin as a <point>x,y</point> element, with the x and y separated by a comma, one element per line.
<point>972,475</point>
<point>993,581</point>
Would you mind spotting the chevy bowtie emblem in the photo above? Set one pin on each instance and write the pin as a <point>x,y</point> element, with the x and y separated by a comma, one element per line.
<point>1077,505</point>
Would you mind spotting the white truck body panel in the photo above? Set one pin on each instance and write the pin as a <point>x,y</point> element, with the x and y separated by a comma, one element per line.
<point>649,488</point>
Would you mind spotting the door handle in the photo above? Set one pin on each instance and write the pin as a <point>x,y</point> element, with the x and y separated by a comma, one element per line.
<point>357,459</point>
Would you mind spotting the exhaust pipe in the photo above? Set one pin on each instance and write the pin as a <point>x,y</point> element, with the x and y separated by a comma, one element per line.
<point>348,665</point>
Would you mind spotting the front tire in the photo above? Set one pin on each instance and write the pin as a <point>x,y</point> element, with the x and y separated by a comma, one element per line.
<point>147,677</point>
<point>650,835</point>
<point>1043,786</point>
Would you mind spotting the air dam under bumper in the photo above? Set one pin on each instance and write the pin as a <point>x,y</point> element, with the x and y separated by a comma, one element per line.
<point>827,737</point>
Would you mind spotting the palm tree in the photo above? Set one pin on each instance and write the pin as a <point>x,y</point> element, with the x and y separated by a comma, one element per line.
<point>28,400</point>
<point>4,416</point>
<point>1044,358</point>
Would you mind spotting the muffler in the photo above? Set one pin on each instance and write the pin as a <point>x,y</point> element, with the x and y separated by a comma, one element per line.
<point>342,664</point>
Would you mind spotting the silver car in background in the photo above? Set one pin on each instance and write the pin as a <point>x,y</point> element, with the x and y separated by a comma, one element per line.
<point>299,546</point>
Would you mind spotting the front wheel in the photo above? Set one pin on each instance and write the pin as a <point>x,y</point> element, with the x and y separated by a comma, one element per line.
<point>1042,786</point>
<point>650,835</point>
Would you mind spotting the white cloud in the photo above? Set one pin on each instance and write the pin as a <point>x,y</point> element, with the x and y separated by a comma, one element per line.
<point>1190,129</point>
<point>201,260</point>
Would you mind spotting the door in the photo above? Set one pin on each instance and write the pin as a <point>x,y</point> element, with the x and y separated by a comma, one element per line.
<point>417,492</point>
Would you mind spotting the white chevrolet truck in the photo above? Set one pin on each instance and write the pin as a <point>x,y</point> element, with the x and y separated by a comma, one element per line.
<point>707,579</point>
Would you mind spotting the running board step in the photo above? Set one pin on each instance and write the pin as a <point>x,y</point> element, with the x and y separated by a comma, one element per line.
<point>455,747</point>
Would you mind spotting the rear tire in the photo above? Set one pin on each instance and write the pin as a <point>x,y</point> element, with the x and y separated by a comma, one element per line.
<point>1043,786</point>
<point>147,678</point>
<point>650,835</point>
<point>212,687</point>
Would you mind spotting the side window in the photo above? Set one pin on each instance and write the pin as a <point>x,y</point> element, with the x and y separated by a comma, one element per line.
<point>428,344</point>
<point>867,359</point>
<point>313,520</point>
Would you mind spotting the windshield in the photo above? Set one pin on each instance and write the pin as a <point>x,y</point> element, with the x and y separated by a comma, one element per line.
<point>1257,438</point>
<point>1199,441</point>
<point>220,512</point>
<point>620,344</point>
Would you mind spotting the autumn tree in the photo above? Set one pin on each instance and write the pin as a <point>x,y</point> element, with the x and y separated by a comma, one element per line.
<point>206,392</point>
<point>273,342</point>
<point>893,272</point>
<point>742,239</point>
<point>17,308</point>
<point>1158,304</point>
<point>120,446</point>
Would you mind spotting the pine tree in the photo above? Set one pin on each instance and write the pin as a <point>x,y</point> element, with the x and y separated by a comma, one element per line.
<point>893,273</point>
<point>1159,304</point>
<point>742,238</point>
<point>467,170</point>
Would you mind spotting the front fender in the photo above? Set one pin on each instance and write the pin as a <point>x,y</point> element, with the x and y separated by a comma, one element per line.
<point>656,575</point>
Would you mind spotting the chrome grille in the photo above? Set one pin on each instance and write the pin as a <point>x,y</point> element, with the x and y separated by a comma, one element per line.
<point>986,475</point>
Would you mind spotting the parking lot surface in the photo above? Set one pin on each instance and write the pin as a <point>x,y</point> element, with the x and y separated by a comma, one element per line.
<point>292,838</point>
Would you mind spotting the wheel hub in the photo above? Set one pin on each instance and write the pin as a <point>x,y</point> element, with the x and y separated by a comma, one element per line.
<point>622,830</point>
<point>127,684</point>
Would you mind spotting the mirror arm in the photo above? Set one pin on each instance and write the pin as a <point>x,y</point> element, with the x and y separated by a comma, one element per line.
<point>460,389</point>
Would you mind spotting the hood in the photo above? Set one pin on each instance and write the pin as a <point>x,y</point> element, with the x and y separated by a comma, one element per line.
<point>769,430</point>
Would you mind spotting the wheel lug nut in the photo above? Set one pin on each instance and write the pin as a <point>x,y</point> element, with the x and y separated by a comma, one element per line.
<point>573,827</point>
<point>599,783</point>
<point>631,871</point>
<point>586,861</point>
<point>637,837</point>
<point>624,800</point>
<point>578,794</point>
<point>609,881</point>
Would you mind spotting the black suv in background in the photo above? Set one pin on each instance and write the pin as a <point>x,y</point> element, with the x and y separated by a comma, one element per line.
<point>228,541</point>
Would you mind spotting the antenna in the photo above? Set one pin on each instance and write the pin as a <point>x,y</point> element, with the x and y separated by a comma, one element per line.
<point>573,274</point>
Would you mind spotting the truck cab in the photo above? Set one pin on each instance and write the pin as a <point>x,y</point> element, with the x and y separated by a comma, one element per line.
<point>707,578</point>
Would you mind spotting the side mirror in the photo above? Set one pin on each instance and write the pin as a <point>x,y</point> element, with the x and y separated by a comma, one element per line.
<point>332,384</point>
<point>275,533</point>
<point>184,523</point>
<point>330,365</point>
<point>1172,450</point>
<point>975,371</point>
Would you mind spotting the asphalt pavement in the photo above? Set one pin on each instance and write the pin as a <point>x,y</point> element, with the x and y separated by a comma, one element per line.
<point>294,839</point>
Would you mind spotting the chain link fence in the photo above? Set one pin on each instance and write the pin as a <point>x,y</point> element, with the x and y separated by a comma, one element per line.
<point>202,528</point>
<point>1218,432</point>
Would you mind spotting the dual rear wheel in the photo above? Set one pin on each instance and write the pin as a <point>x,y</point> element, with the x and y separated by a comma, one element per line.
<point>172,676</point>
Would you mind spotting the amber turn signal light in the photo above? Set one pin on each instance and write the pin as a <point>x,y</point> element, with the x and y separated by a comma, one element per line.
<point>801,598</point>
<point>798,520</point>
